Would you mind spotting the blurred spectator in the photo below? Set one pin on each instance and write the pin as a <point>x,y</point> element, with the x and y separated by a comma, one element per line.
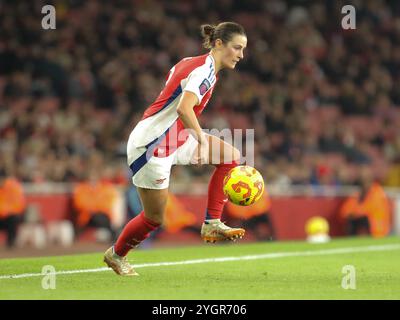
<point>323,175</point>
<point>94,202</point>
<point>367,211</point>
<point>393,176</point>
<point>12,206</point>
<point>69,97</point>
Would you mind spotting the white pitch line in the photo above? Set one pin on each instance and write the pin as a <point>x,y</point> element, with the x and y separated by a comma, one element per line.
<point>276,255</point>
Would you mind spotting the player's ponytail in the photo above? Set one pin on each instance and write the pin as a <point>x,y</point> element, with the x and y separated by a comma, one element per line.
<point>207,32</point>
<point>224,31</point>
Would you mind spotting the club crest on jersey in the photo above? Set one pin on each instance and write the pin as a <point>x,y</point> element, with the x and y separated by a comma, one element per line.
<point>204,86</point>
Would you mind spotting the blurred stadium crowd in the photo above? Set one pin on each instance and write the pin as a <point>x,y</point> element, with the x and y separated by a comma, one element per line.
<point>324,102</point>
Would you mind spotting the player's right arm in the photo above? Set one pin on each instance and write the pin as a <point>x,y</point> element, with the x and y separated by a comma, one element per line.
<point>186,113</point>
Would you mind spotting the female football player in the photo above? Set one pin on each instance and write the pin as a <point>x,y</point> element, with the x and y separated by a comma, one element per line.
<point>170,134</point>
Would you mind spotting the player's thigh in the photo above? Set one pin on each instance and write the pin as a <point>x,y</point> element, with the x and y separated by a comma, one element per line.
<point>154,202</point>
<point>221,151</point>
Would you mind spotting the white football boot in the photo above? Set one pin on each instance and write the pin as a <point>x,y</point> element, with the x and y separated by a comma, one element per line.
<point>119,264</point>
<point>214,230</point>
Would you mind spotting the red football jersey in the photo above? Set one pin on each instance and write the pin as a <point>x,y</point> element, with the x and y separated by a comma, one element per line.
<point>160,121</point>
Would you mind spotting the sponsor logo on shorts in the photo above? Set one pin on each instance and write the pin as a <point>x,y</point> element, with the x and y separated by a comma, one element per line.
<point>160,181</point>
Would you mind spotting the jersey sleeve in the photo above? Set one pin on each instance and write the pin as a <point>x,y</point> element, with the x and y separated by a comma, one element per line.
<point>199,82</point>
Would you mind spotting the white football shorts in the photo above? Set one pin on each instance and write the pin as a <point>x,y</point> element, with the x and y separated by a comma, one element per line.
<point>153,172</point>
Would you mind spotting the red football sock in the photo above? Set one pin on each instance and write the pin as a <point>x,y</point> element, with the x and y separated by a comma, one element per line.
<point>216,198</point>
<point>134,233</point>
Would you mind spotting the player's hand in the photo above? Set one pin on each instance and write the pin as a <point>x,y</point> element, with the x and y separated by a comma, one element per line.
<point>202,152</point>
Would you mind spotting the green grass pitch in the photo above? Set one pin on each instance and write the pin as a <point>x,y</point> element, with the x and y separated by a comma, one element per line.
<point>285,270</point>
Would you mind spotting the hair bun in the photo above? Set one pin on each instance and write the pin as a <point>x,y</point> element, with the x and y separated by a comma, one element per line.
<point>208,30</point>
